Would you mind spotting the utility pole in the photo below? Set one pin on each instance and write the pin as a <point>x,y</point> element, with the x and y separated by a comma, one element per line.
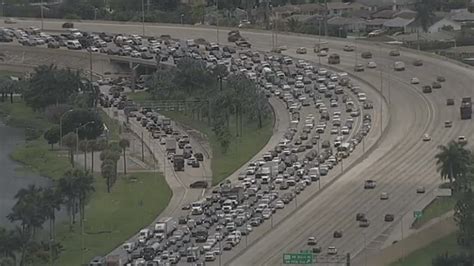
<point>42,15</point>
<point>217,21</point>
<point>143,18</point>
<point>326,18</point>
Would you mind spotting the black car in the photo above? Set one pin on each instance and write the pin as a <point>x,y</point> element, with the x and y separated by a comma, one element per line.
<point>199,184</point>
<point>337,234</point>
<point>199,156</point>
<point>450,102</point>
<point>147,55</point>
<point>426,89</point>
<point>195,164</point>
<point>360,216</point>
<point>389,217</point>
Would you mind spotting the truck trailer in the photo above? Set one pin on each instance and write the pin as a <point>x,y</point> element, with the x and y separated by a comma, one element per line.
<point>466,108</point>
<point>171,145</point>
<point>178,162</point>
<point>164,227</point>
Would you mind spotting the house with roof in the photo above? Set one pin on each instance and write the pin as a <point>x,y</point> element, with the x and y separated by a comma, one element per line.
<point>377,5</point>
<point>347,24</point>
<point>397,24</point>
<point>461,16</point>
<point>437,24</point>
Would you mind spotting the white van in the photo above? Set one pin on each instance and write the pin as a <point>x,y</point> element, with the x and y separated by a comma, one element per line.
<point>399,66</point>
<point>73,45</point>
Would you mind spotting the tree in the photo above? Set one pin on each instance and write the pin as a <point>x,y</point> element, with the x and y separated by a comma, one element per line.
<point>8,247</point>
<point>70,141</point>
<point>52,135</point>
<point>464,217</point>
<point>84,185</point>
<point>78,118</point>
<point>50,85</point>
<point>293,24</point>
<point>108,172</point>
<point>67,189</point>
<point>28,210</point>
<point>453,260</point>
<point>452,161</point>
<point>84,146</point>
<point>124,144</point>
<point>425,13</point>
<point>51,200</point>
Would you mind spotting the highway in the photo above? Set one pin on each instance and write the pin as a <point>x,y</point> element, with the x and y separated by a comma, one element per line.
<point>399,163</point>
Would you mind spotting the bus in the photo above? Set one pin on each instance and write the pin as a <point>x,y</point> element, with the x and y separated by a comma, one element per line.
<point>334,59</point>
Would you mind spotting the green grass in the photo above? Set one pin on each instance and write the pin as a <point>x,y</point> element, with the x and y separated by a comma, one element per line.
<point>112,218</point>
<point>423,256</point>
<point>38,157</point>
<point>241,149</point>
<point>436,208</point>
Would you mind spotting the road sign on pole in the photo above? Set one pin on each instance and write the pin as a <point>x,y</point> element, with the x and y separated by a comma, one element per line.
<point>417,214</point>
<point>297,258</point>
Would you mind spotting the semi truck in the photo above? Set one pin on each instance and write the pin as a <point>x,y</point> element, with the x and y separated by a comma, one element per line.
<point>466,108</point>
<point>164,227</point>
<point>171,145</point>
<point>113,260</point>
<point>178,162</point>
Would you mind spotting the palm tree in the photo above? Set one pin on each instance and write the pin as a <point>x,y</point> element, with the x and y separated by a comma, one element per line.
<point>51,201</point>
<point>83,146</point>
<point>293,24</point>
<point>84,185</point>
<point>70,140</point>
<point>96,145</point>
<point>452,161</point>
<point>108,172</point>
<point>66,186</point>
<point>124,144</point>
<point>27,210</point>
<point>8,247</point>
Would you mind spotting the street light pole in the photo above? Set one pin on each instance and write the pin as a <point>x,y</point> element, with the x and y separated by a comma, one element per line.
<point>42,15</point>
<point>217,21</point>
<point>143,18</point>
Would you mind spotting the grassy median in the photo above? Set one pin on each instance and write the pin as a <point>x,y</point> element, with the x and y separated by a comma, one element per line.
<point>111,218</point>
<point>241,149</point>
<point>424,256</point>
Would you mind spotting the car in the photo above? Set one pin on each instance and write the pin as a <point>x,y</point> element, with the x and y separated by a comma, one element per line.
<point>195,164</point>
<point>360,216</point>
<point>369,184</point>
<point>371,64</point>
<point>199,184</point>
<point>462,140</point>
<point>312,241</point>
<point>332,250</point>
<point>414,80</point>
<point>389,218</point>
<point>420,189</point>
<point>323,53</point>
<point>348,48</point>
<point>68,25</point>
<point>366,55</point>
<point>436,85</point>
<point>337,234</point>
<point>301,50</point>
<point>426,137</point>
<point>449,101</point>
<point>364,223</point>
<point>228,246</point>
<point>384,196</point>
<point>394,53</point>
<point>358,68</point>
<point>210,256</point>
<point>426,89</point>
<point>199,156</point>
<point>417,62</point>
<point>448,124</point>
<point>9,21</point>
<point>440,79</point>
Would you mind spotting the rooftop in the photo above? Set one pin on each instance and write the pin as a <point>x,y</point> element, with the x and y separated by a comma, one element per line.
<point>397,23</point>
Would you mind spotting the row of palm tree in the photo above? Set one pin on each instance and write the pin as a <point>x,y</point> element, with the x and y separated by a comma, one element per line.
<point>34,207</point>
<point>455,163</point>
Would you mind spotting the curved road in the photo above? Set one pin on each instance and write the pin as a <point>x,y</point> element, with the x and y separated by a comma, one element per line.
<point>399,163</point>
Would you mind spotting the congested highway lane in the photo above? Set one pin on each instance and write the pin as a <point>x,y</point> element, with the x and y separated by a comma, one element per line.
<point>400,162</point>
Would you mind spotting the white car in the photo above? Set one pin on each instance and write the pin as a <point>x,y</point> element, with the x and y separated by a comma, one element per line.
<point>384,196</point>
<point>312,241</point>
<point>462,140</point>
<point>323,53</point>
<point>279,204</point>
<point>332,250</point>
<point>415,81</point>
<point>93,49</point>
<point>426,137</point>
<point>210,256</point>
<point>371,64</point>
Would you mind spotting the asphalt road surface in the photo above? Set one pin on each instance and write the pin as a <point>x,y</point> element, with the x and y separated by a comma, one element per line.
<point>399,163</point>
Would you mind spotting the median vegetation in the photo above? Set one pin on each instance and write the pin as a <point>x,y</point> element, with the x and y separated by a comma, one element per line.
<point>227,108</point>
<point>455,164</point>
<point>58,105</point>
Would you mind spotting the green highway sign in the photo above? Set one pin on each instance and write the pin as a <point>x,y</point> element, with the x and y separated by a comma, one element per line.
<point>417,214</point>
<point>297,258</point>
